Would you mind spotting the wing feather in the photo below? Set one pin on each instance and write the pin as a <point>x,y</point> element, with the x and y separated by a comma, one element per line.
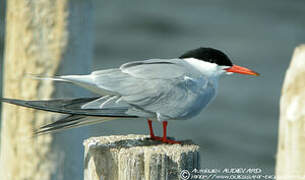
<point>155,68</point>
<point>71,106</point>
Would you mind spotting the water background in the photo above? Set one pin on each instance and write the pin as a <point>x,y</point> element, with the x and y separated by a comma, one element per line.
<point>239,129</point>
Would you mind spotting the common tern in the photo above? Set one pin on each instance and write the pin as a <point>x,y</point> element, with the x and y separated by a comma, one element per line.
<point>154,89</point>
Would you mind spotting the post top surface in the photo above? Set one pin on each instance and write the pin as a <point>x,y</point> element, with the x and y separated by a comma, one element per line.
<point>138,142</point>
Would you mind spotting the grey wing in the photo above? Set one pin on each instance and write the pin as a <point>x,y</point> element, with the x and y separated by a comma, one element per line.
<point>155,68</point>
<point>162,87</point>
<point>139,76</point>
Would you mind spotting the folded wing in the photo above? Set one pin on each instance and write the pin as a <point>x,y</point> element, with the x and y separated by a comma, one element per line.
<point>157,86</point>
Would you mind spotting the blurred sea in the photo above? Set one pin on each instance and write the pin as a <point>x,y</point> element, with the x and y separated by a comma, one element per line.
<point>239,129</point>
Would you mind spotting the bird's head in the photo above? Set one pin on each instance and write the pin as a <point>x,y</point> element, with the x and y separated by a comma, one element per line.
<point>212,60</point>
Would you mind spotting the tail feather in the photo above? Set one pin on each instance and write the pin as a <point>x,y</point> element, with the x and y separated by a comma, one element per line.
<point>85,81</point>
<point>53,78</point>
<point>71,121</point>
<point>66,120</point>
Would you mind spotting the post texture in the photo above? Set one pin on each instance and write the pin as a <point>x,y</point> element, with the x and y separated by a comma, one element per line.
<point>47,37</point>
<point>135,157</point>
<point>291,147</point>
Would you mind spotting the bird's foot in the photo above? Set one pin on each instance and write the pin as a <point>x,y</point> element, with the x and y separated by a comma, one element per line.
<point>164,140</point>
<point>169,141</point>
<point>156,138</point>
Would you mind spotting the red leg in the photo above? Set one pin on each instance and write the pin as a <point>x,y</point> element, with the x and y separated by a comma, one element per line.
<point>164,131</point>
<point>164,139</point>
<point>151,131</point>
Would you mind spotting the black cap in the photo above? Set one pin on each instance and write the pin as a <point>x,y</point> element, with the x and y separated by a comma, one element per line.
<point>208,54</point>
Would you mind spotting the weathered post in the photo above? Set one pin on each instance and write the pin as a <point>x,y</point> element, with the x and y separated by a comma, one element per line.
<point>290,164</point>
<point>134,157</point>
<point>48,37</point>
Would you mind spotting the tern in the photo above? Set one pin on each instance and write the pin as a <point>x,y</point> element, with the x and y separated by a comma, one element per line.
<point>155,89</point>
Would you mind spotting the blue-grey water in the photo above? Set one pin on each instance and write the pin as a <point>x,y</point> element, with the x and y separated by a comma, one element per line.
<point>239,129</point>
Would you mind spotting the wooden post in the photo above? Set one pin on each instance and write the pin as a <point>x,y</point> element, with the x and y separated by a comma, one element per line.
<point>49,37</point>
<point>134,157</point>
<point>290,164</point>
<point>2,29</point>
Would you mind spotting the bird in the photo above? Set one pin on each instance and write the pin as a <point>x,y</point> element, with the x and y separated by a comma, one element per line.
<point>159,90</point>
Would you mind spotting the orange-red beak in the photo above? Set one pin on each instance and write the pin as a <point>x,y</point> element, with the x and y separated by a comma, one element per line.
<point>241,70</point>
